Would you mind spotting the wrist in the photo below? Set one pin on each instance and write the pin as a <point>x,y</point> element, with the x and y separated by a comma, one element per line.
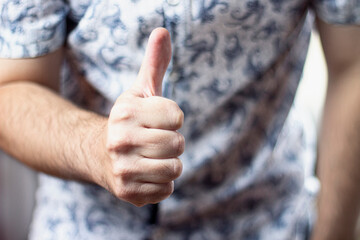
<point>95,159</point>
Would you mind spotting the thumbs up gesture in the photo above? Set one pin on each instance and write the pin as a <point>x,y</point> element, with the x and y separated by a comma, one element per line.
<point>142,140</point>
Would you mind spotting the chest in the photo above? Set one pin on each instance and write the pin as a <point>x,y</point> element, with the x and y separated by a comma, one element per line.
<point>243,15</point>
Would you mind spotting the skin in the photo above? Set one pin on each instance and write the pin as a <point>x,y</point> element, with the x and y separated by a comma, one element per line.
<point>76,144</point>
<point>133,153</point>
<point>339,151</point>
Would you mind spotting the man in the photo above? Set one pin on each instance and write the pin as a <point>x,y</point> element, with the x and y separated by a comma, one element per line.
<point>234,68</point>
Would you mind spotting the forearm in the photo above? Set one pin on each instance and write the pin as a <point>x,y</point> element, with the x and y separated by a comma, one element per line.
<point>134,153</point>
<point>50,134</point>
<point>339,159</point>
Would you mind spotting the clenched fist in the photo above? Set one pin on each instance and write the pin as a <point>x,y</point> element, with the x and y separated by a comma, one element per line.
<point>142,138</point>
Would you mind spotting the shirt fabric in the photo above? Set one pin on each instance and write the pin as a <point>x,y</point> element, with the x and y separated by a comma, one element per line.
<point>234,72</point>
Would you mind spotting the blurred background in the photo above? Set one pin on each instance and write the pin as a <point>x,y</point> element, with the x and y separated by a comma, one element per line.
<point>18,183</point>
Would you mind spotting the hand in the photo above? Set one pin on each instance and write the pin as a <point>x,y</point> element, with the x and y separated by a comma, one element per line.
<point>142,140</point>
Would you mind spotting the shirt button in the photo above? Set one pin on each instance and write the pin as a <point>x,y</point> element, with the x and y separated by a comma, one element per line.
<point>173,2</point>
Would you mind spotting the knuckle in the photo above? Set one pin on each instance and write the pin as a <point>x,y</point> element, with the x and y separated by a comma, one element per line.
<point>127,194</point>
<point>177,168</point>
<point>178,116</point>
<point>116,168</point>
<point>163,191</point>
<point>120,192</point>
<point>131,194</point>
<point>126,111</point>
<point>110,142</point>
<point>168,189</point>
<point>109,145</point>
<point>173,169</point>
<point>125,174</point>
<point>123,141</point>
<point>123,110</point>
<point>119,140</point>
<point>179,144</point>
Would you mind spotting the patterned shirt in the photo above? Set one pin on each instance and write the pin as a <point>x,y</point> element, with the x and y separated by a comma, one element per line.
<point>234,72</point>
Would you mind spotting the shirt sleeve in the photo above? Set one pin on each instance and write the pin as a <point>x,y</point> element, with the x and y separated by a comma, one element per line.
<point>338,11</point>
<point>31,28</point>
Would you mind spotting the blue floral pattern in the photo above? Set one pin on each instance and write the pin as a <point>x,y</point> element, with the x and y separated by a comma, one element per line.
<point>234,72</point>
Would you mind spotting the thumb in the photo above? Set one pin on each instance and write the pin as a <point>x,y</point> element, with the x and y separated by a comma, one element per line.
<point>155,63</point>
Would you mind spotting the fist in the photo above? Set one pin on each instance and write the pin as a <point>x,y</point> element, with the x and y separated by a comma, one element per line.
<point>142,138</point>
